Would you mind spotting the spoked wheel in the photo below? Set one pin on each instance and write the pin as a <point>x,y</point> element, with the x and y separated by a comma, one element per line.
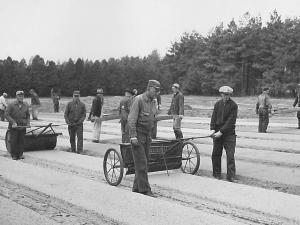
<point>7,141</point>
<point>113,167</point>
<point>190,158</point>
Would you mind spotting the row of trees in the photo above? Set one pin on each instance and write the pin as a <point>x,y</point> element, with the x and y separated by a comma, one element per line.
<point>246,56</point>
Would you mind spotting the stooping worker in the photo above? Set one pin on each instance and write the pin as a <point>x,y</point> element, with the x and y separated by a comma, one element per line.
<point>222,125</point>
<point>18,116</point>
<point>297,102</point>
<point>263,108</point>
<point>75,114</point>
<point>177,110</point>
<point>140,123</point>
<point>124,109</point>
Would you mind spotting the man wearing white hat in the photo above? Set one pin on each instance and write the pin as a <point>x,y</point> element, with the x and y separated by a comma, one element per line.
<point>297,102</point>
<point>97,114</point>
<point>222,125</point>
<point>3,105</point>
<point>18,116</point>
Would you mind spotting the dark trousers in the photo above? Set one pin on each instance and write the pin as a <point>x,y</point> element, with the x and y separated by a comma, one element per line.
<point>17,137</point>
<point>298,116</point>
<point>154,130</point>
<point>125,132</point>
<point>56,106</point>
<point>228,142</point>
<point>76,130</point>
<point>263,120</point>
<point>140,154</point>
<point>1,115</point>
<point>177,127</point>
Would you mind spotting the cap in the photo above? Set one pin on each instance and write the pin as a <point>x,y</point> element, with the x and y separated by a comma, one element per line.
<point>154,83</point>
<point>99,91</point>
<point>226,90</point>
<point>266,88</point>
<point>135,91</point>
<point>175,85</point>
<point>20,93</point>
<point>76,93</point>
<point>4,94</point>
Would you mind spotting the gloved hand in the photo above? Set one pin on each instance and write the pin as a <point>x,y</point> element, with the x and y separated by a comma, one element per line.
<point>212,133</point>
<point>134,141</point>
<point>217,135</point>
<point>180,116</point>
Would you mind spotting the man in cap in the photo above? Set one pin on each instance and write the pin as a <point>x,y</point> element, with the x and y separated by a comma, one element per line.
<point>263,108</point>
<point>18,116</point>
<point>55,99</point>
<point>177,110</point>
<point>140,122</point>
<point>222,125</point>
<point>124,109</point>
<point>297,102</point>
<point>35,104</point>
<point>75,114</point>
<point>3,105</point>
<point>96,114</point>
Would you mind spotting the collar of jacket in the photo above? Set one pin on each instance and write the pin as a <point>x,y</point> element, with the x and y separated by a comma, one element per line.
<point>16,102</point>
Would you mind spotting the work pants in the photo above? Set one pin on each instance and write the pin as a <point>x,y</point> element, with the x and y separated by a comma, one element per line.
<point>125,132</point>
<point>140,154</point>
<point>263,114</point>
<point>97,128</point>
<point>35,112</point>
<point>154,130</point>
<point>298,116</point>
<point>1,114</point>
<point>177,127</point>
<point>228,142</point>
<point>76,131</point>
<point>56,106</point>
<point>17,137</point>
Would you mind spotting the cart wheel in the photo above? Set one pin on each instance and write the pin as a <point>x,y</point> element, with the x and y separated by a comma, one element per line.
<point>7,141</point>
<point>113,167</point>
<point>190,158</point>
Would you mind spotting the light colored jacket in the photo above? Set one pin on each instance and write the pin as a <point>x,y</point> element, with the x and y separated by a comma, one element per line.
<point>3,103</point>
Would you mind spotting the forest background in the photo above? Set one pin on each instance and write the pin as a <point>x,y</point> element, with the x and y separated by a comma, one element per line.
<point>246,55</point>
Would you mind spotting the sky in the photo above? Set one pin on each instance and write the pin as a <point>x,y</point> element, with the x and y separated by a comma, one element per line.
<point>99,29</point>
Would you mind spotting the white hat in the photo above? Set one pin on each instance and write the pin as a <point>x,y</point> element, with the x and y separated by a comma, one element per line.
<point>175,85</point>
<point>20,93</point>
<point>226,90</point>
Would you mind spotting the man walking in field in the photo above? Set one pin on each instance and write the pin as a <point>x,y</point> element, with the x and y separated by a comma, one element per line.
<point>3,105</point>
<point>177,110</point>
<point>263,108</point>
<point>222,125</point>
<point>75,114</point>
<point>97,114</point>
<point>35,104</point>
<point>140,123</point>
<point>297,102</point>
<point>124,109</point>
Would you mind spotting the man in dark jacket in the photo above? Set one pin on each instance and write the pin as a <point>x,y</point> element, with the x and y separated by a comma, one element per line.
<point>297,102</point>
<point>140,123</point>
<point>124,109</point>
<point>177,110</point>
<point>222,126</point>
<point>75,114</point>
<point>96,114</point>
<point>18,116</point>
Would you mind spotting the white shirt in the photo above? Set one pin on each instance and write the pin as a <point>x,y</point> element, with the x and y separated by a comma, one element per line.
<point>3,103</point>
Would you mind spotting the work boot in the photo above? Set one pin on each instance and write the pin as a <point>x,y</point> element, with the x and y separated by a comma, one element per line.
<point>95,141</point>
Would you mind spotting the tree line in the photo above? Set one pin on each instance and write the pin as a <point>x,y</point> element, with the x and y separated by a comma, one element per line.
<point>246,55</point>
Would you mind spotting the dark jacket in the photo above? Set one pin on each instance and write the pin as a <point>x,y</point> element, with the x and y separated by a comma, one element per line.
<point>297,100</point>
<point>124,108</point>
<point>141,115</point>
<point>75,112</point>
<point>35,99</point>
<point>177,105</point>
<point>18,115</point>
<point>97,106</point>
<point>224,117</point>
